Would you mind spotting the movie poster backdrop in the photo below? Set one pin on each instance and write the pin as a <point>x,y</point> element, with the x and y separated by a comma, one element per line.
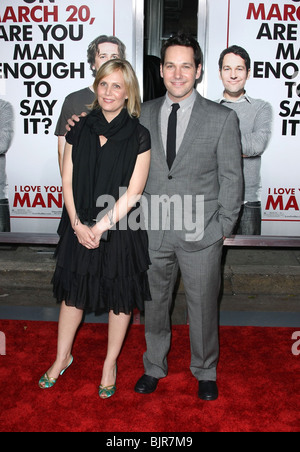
<point>43,49</point>
<point>43,46</point>
<point>270,32</point>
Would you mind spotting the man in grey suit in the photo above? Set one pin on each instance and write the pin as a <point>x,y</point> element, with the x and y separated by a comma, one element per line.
<point>206,174</point>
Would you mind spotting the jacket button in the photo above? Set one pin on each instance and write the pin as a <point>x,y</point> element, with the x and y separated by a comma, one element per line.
<point>170,177</point>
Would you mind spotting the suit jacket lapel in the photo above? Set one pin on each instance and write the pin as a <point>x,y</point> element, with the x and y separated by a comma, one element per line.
<point>196,120</point>
<point>156,139</point>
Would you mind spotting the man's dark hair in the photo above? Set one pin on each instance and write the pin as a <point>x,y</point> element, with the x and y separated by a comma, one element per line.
<point>236,50</point>
<point>184,40</point>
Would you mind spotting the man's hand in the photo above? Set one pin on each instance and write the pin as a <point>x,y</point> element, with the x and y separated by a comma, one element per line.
<point>73,120</point>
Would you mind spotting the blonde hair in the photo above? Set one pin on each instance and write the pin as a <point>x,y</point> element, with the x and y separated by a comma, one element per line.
<point>133,103</point>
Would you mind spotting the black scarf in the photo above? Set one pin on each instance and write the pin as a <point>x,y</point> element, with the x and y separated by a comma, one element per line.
<point>102,170</point>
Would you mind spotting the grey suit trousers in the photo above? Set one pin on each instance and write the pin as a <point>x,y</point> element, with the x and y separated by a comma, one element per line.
<point>201,274</point>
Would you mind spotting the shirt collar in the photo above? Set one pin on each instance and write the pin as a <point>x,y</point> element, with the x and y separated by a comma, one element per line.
<point>243,98</point>
<point>184,104</point>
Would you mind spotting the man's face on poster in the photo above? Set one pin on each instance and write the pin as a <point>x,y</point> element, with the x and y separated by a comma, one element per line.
<point>234,76</point>
<point>106,51</point>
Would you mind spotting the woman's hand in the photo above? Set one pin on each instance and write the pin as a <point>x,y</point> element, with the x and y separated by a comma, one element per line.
<point>86,236</point>
<point>98,230</point>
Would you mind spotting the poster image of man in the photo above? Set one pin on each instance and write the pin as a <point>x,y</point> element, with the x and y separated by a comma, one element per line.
<point>256,118</point>
<point>6,135</point>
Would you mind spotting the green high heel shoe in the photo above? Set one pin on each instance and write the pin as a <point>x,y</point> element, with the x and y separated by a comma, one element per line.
<point>46,382</point>
<point>105,392</point>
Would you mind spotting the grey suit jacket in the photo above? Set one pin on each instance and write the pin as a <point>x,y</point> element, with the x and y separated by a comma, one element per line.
<point>200,197</point>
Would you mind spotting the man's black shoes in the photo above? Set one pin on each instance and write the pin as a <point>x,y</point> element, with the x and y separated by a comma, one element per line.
<point>146,384</point>
<point>208,390</point>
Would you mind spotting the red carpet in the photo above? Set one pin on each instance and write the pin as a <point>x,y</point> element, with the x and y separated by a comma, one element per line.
<point>258,383</point>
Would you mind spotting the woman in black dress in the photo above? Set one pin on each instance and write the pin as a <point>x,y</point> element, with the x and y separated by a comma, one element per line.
<point>102,261</point>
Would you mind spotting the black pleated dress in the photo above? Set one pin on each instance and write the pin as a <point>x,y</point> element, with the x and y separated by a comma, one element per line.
<point>113,276</point>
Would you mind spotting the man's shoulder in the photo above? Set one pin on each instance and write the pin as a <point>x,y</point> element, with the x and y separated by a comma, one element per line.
<point>5,105</point>
<point>150,109</point>
<point>75,103</point>
<point>146,106</point>
<point>212,106</point>
<point>84,92</point>
<point>259,103</point>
